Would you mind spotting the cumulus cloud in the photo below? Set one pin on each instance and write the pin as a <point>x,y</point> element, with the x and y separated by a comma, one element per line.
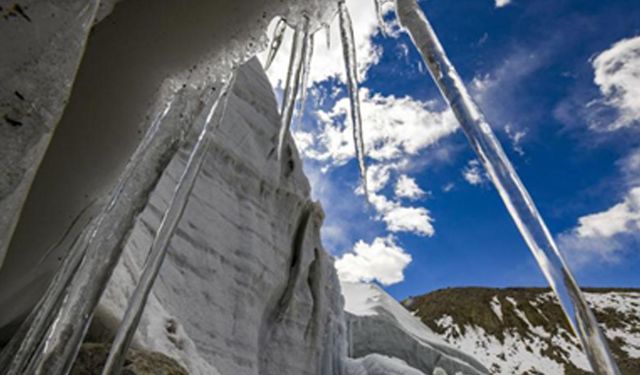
<point>617,74</point>
<point>395,127</point>
<point>399,218</point>
<point>624,217</point>
<point>473,173</point>
<point>382,260</point>
<point>502,3</point>
<point>604,236</point>
<point>406,187</point>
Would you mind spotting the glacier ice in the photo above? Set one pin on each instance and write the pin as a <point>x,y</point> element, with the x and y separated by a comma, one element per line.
<point>351,69</point>
<point>300,45</point>
<point>171,73</point>
<point>206,125</point>
<point>276,42</point>
<point>304,80</point>
<point>37,69</point>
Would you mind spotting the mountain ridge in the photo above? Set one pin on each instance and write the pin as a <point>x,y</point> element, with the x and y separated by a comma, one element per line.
<point>522,330</point>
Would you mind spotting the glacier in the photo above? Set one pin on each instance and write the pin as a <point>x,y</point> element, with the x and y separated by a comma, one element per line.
<point>246,286</point>
<point>99,101</point>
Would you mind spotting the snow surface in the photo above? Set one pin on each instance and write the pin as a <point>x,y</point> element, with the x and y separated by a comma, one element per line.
<point>518,354</point>
<point>377,323</point>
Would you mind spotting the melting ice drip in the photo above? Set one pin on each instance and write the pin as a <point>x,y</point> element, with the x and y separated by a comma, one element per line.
<point>49,339</point>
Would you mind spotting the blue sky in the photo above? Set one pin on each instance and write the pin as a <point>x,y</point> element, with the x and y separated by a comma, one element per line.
<point>560,83</point>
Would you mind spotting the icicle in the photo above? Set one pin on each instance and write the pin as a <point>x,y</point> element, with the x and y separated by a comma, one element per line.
<point>150,154</point>
<point>23,343</point>
<point>306,69</point>
<point>351,67</point>
<point>165,232</point>
<point>515,196</point>
<point>104,244</point>
<point>380,14</point>
<point>327,34</point>
<point>298,51</point>
<point>276,41</point>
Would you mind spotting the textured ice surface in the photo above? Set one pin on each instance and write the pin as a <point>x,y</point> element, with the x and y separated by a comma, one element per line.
<point>42,43</point>
<point>377,323</point>
<point>246,287</point>
<point>219,301</point>
<point>119,87</point>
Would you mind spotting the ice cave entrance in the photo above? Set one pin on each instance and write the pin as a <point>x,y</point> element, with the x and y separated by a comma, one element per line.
<point>50,337</point>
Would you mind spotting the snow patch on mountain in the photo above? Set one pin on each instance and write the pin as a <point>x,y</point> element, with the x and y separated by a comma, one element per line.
<point>523,331</point>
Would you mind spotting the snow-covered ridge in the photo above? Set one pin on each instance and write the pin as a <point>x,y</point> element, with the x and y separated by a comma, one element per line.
<point>523,331</point>
<point>377,323</point>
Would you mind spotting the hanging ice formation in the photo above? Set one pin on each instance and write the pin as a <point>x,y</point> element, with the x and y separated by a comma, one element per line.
<point>304,81</point>
<point>276,42</point>
<point>351,68</point>
<point>327,34</point>
<point>97,247</point>
<point>164,234</point>
<point>296,64</point>
<point>49,339</point>
<point>298,74</point>
<point>512,191</point>
<point>50,347</point>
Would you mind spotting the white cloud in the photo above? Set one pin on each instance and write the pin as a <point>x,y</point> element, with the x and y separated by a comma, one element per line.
<point>395,131</point>
<point>394,128</point>
<point>603,236</point>
<point>382,260</point>
<point>473,173</point>
<point>406,187</point>
<point>624,217</point>
<point>516,136</point>
<point>617,74</point>
<point>448,187</point>
<point>378,176</point>
<point>399,218</point>
<point>502,3</point>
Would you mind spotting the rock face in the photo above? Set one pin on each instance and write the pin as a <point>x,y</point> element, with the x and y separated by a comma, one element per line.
<point>523,330</point>
<point>92,358</point>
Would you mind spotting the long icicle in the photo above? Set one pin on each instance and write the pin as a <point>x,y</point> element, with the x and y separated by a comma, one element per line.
<point>165,232</point>
<point>276,42</point>
<point>306,69</point>
<point>298,50</point>
<point>21,346</point>
<point>327,35</point>
<point>351,68</point>
<point>105,244</point>
<point>515,196</point>
<point>32,333</point>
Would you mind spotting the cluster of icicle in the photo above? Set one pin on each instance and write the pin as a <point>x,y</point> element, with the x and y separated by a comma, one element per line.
<point>298,76</point>
<point>50,338</point>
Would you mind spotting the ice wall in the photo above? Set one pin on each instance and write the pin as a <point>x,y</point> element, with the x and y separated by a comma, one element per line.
<point>236,293</point>
<point>138,54</point>
<point>247,287</point>
<point>378,325</point>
